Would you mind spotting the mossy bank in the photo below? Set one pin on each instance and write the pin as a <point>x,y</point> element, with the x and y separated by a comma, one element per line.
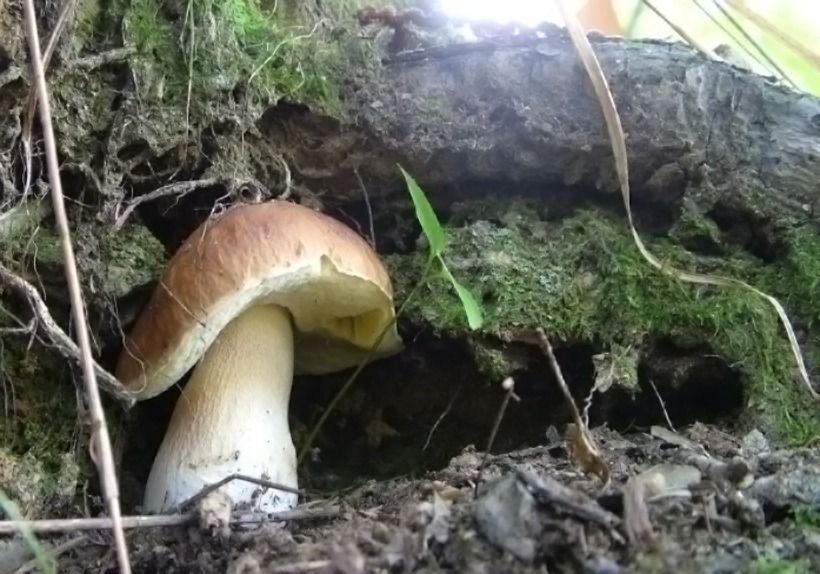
<point>208,61</point>
<point>582,279</point>
<point>44,467</point>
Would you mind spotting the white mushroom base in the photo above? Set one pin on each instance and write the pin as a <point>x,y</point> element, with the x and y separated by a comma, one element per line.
<point>232,418</point>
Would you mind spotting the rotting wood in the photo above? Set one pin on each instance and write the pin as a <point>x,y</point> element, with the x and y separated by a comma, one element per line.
<point>523,111</point>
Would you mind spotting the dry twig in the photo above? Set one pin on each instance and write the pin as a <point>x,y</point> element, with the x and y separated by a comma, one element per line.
<point>100,441</point>
<point>509,386</point>
<point>245,478</point>
<point>160,521</point>
<point>806,53</point>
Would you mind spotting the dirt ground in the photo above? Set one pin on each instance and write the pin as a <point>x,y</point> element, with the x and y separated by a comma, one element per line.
<point>711,504</point>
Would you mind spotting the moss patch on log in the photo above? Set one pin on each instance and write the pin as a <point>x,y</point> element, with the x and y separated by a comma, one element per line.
<point>209,59</point>
<point>583,280</point>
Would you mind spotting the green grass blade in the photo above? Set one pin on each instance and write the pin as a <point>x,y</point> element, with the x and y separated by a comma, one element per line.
<point>472,309</point>
<point>427,217</point>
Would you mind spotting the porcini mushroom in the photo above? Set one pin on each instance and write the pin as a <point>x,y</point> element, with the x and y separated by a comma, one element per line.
<point>251,297</point>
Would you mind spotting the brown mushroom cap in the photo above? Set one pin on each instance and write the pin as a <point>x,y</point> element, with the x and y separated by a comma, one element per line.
<point>334,285</point>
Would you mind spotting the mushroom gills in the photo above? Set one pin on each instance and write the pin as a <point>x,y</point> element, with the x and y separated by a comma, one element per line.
<point>232,418</point>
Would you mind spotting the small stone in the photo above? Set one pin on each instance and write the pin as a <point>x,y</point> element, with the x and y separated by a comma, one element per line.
<point>214,512</point>
<point>508,518</point>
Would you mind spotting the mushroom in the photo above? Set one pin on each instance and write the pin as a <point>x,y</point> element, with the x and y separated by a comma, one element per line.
<point>251,298</point>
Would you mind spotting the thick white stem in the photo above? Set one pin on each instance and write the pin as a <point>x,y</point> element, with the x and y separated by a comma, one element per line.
<point>232,418</point>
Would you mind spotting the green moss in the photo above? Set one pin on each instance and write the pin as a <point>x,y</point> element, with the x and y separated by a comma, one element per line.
<point>121,259</point>
<point>778,566</point>
<point>192,54</point>
<point>807,518</point>
<point>494,364</point>
<point>40,430</point>
<point>28,249</point>
<point>617,367</point>
<point>583,279</point>
<point>26,394</point>
<point>694,230</point>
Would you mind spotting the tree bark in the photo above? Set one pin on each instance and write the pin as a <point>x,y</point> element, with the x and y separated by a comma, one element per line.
<point>525,112</point>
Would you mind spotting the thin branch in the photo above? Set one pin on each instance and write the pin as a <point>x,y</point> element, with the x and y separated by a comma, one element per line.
<point>100,441</point>
<point>441,418</point>
<point>244,478</point>
<point>509,386</point>
<point>769,26</point>
<point>60,338</point>
<point>181,189</point>
<point>160,520</point>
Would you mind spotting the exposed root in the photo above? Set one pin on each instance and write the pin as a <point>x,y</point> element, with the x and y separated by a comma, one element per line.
<point>95,61</point>
<point>30,108</point>
<point>663,406</point>
<point>183,188</point>
<point>441,418</point>
<point>60,339</point>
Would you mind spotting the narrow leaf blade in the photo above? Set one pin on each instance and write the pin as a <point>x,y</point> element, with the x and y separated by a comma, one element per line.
<point>427,217</point>
<point>471,307</point>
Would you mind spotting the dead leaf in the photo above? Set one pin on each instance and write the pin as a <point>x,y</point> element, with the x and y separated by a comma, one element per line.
<point>584,452</point>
